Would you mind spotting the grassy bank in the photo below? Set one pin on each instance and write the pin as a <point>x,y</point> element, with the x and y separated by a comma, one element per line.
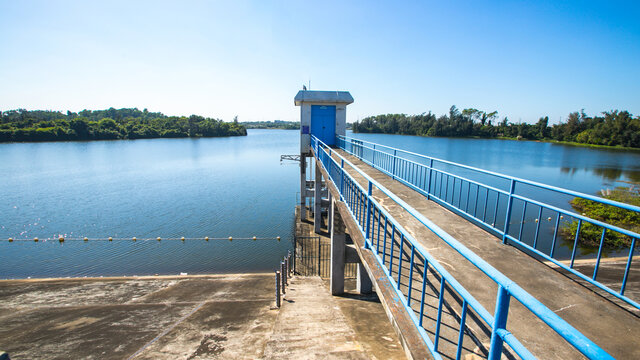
<point>590,234</point>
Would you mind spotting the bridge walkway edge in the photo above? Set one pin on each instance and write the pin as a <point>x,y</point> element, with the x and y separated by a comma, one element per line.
<point>408,334</point>
<point>609,325</point>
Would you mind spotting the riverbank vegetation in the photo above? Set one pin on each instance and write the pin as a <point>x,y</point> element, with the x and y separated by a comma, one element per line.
<point>614,128</point>
<point>590,234</point>
<point>110,124</point>
<point>276,124</point>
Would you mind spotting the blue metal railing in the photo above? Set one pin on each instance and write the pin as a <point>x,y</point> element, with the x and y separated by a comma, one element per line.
<point>495,207</point>
<point>395,243</point>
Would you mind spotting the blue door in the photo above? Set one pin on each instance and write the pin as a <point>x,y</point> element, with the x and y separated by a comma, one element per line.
<point>323,123</point>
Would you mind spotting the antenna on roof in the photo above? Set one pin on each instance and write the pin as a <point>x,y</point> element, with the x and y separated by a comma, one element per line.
<point>309,83</point>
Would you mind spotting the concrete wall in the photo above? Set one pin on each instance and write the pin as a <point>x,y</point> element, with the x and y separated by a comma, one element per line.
<point>305,120</point>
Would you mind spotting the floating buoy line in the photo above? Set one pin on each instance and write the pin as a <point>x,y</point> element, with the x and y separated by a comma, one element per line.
<point>62,239</point>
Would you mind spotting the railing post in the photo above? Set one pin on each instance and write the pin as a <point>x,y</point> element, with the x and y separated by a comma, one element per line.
<point>626,270</point>
<point>341,178</point>
<point>429,182</point>
<point>368,227</point>
<point>575,242</point>
<point>393,170</point>
<point>499,322</point>
<point>284,291</point>
<point>277,288</point>
<point>286,271</point>
<point>373,157</point>
<point>602,238</point>
<point>508,214</point>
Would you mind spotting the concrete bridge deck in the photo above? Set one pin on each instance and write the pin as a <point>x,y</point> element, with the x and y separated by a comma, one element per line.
<point>608,324</point>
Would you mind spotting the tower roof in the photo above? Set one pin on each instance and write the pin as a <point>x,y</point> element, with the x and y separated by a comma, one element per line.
<point>323,97</point>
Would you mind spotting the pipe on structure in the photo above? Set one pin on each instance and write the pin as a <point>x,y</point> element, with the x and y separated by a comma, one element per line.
<point>303,187</point>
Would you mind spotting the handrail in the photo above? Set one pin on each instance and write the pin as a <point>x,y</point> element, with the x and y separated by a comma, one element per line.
<point>506,286</point>
<point>508,177</point>
<point>397,173</point>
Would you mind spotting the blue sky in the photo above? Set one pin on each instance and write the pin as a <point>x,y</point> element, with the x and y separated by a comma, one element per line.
<point>525,59</point>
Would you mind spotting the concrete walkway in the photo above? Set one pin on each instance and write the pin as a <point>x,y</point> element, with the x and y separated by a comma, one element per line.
<point>185,317</point>
<point>310,325</point>
<point>612,327</point>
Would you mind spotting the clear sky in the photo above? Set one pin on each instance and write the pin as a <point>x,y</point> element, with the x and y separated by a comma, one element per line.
<point>525,59</point>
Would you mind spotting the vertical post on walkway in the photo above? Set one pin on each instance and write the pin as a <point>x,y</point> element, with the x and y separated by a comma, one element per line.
<point>338,238</point>
<point>303,187</point>
<point>284,290</point>
<point>286,271</point>
<point>317,198</point>
<point>278,288</point>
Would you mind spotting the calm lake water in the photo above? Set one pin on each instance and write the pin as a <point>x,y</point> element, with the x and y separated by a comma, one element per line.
<point>169,188</point>
<point>216,187</point>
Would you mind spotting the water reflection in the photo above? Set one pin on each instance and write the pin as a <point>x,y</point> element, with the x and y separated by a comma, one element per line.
<point>608,173</point>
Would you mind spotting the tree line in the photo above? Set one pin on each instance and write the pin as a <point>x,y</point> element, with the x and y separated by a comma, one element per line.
<point>275,124</point>
<point>613,128</point>
<point>110,124</point>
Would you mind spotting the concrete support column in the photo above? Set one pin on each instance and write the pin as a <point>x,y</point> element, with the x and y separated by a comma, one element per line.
<point>303,187</point>
<point>364,285</point>
<point>337,250</point>
<point>317,199</point>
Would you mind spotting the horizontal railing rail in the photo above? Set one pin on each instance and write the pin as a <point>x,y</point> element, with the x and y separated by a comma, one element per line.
<point>496,174</point>
<point>495,208</point>
<point>372,219</point>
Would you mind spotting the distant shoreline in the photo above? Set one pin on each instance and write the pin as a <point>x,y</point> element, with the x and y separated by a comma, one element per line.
<point>275,125</point>
<point>125,139</point>
<point>608,147</point>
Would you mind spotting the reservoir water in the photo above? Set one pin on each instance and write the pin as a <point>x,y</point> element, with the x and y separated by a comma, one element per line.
<point>215,187</point>
<point>168,188</point>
